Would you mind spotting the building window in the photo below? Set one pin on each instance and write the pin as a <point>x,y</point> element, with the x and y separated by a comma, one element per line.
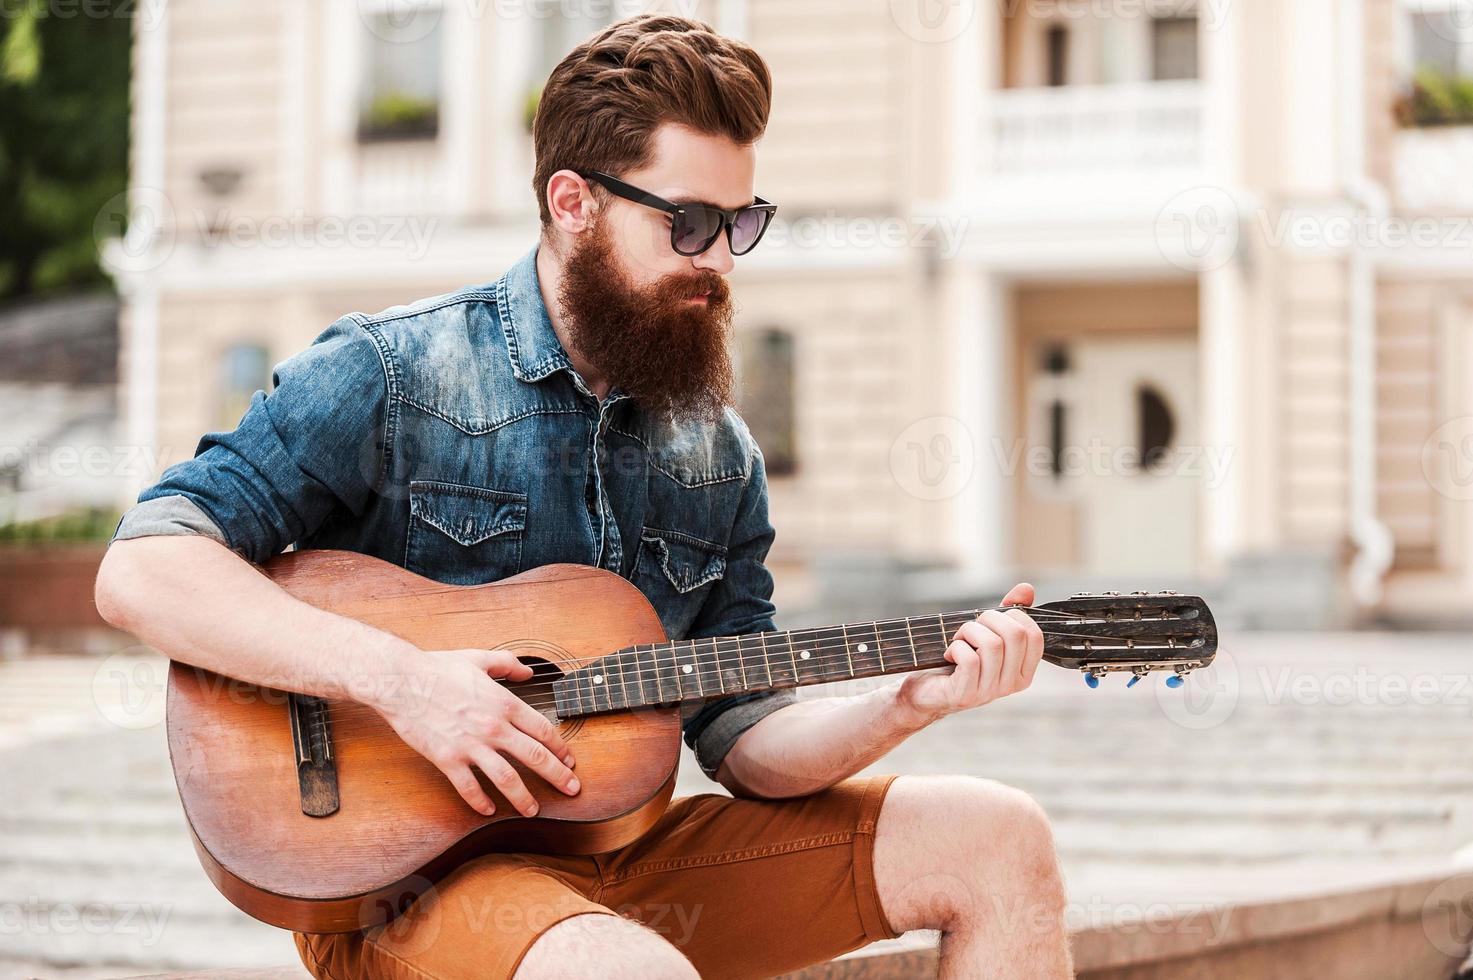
<point>1440,91</point>
<point>561,27</point>
<point>1056,367</point>
<point>1057,40</point>
<point>1173,48</point>
<point>1438,43</point>
<point>244,370</point>
<point>765,366</point>
<point>1156,427</point>
<point>399,95</point>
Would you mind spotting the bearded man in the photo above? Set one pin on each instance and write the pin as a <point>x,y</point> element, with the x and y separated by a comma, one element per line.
<point>578,409</point>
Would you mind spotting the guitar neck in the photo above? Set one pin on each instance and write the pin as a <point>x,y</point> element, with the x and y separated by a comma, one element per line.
<point>700,669</point>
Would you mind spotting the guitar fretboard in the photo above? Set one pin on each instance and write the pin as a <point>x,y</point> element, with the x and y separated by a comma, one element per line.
<point>698,669</point>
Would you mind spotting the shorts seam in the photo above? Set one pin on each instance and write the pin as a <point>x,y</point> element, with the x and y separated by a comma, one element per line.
<point>872,915</point>
<point>316,967</point>
<point>733,857</point>
<point>532,940</point>
<point>417,971</point>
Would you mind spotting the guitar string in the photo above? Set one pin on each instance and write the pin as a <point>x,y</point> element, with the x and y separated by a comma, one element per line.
<point>827,658</point>
<point>826,647</point>
<point>829,652</point>
<point>882,631</point>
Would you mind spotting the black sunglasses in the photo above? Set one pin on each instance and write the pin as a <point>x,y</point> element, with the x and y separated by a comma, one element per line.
<point>695,227</point>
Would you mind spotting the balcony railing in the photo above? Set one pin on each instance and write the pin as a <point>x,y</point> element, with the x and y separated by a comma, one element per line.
<point>1432,167</point>
<point>1129,128</point>
<point>400,177</point>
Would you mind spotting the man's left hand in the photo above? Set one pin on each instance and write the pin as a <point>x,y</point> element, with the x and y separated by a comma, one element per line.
<point>995,655</point>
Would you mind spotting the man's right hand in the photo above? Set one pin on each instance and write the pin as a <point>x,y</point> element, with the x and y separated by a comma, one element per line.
<point>451,711</point>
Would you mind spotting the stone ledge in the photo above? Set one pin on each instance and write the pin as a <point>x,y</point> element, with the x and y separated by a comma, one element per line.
<point>1346,923</point>
<point>1351,924</point>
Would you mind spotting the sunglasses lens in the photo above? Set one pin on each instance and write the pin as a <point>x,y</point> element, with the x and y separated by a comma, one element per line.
<point>747,229</point>
<point>694,229</point>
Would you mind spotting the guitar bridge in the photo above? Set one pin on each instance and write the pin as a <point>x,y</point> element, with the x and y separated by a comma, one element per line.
<point>317,773</point>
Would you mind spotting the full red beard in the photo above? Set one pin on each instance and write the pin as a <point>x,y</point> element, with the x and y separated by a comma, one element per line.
<point>669,355</point>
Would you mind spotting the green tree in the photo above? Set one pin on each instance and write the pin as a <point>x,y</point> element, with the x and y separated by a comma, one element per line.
<point>64,71</point>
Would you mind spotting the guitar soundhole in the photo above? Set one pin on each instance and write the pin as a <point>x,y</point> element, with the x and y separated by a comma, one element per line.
<point>537,690</point>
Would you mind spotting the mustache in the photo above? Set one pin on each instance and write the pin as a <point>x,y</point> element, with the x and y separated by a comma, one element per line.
<point>681,286</point>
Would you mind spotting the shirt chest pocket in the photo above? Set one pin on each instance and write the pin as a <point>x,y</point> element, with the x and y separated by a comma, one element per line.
<point>676,572</point>
<point>464,535</point>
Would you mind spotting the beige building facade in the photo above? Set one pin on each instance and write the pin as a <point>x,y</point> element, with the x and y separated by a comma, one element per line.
<point>1109,293</point>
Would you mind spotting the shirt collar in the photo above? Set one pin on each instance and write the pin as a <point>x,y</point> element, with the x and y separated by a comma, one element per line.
<point>532,344</point>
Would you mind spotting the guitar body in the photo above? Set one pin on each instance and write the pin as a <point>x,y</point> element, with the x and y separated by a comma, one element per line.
<point>399,825</point>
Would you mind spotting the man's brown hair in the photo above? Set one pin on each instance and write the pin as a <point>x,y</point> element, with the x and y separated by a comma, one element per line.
<point>602,104</point>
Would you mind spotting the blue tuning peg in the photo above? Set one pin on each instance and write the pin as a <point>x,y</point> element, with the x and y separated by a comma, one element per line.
<point>1093,680</point>
<point>1134,680</point>
<point>1175,680</point>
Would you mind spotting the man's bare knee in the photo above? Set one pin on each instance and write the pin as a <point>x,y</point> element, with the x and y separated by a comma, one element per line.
<point>605,946</point>
<point>949,848</point>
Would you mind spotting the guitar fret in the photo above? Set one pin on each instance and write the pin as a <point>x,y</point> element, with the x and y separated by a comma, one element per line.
<point>623,700</point>
<point>585,682</point>
<point>710,665</point>
<point>728,671</point>
<point>666,669</point>
<point>823,662</point>
<point>644,676</point>
<point>766,661</point>
<point>601,686</point>
<point>778,672</point>
<point>914,657</point>
<point>694,667</point>
<point>847,652</point>
<point>864,643</point>
<point>741,665</point>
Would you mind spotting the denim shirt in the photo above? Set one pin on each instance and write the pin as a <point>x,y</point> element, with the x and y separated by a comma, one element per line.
<point>454,438</point>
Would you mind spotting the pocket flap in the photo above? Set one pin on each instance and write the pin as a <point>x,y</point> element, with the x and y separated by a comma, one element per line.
<point>468,515</point>
<point>687,562</point>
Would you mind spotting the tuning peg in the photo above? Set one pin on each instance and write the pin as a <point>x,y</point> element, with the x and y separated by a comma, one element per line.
<point>1092,679</point>
<point>1175,680</point>
<point>1135,678</point>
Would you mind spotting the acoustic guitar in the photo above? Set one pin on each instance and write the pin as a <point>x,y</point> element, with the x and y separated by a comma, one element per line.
<point>314,816</point>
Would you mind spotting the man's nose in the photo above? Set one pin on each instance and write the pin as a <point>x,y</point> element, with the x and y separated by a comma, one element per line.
<point>717,258</point>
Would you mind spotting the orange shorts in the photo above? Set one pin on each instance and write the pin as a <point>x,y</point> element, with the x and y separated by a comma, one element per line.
<point>745,888</point>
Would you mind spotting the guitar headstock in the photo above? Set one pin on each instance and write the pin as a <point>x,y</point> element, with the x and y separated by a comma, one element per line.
<point>1128,632</point>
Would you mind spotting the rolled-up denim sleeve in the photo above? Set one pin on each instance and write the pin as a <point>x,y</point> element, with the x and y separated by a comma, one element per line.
<point>740,603</point>
<point>316,443</point>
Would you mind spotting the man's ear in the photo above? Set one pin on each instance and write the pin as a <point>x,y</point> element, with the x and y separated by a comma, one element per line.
<point>570,202</point>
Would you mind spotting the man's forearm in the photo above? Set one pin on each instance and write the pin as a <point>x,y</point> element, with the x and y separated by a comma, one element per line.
<point>814,744</point>
<point>198,602</point>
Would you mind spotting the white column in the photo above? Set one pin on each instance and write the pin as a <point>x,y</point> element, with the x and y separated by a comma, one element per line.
<point>979,352</point>
<point>1222,300</point>
<point>514,45</point>
<point>341,75</point>
<point>140,289</point>
<point>461,95</point>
